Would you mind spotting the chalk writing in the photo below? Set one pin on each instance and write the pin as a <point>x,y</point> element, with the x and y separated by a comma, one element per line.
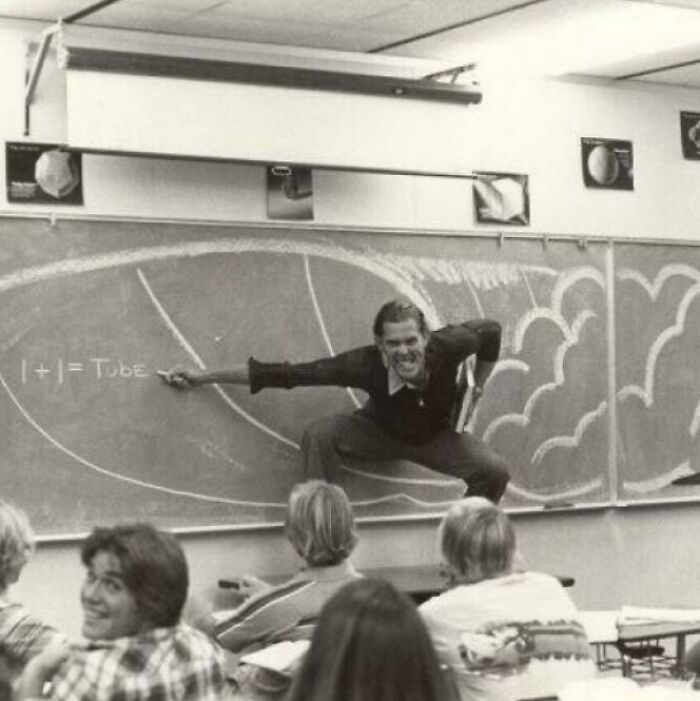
<point>60,370</point>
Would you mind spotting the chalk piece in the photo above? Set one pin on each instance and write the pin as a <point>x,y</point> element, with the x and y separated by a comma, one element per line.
<point>559,505</point>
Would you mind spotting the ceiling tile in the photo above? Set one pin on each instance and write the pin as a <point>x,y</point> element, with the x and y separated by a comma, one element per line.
<point>311,11</point>
<point>50,10</point>
<point>686,75</point>
<point>256,30</point>
<point>602,38</point>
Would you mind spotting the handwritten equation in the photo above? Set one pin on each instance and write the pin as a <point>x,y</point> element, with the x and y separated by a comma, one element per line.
<point>61,370</point>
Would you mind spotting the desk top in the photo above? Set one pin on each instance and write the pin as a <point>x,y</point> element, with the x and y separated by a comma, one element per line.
<point>418,581</point>
<point>603,627</point>
<point>660,630</point>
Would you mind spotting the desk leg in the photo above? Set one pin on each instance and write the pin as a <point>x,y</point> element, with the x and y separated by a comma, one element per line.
<point>679,671</point>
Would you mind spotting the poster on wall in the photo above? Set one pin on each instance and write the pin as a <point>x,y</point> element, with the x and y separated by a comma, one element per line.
<point>289,193</point>
<point>501,198</point>
<point>690,135</point>
<point>42,173</point>
<point>607,163</point>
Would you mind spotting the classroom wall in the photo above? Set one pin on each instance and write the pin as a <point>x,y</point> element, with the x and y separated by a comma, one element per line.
<point>642,555</point>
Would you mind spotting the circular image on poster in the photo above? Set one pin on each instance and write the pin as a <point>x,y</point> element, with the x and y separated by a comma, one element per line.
<point>603,165</point>
<point>56,173</point>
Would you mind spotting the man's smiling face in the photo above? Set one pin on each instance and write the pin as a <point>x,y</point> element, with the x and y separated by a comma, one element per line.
<point>403,346</point>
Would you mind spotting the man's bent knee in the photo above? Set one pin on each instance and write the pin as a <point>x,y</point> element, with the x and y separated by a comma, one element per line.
<point>489,482</point>
<point>319,447</point>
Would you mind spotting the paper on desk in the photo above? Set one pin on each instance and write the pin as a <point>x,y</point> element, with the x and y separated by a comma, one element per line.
<point>222,615</point>
<point>640,615</point>
<point>609,689</point>
<point>281,657</point>
<point>619,689</point>
<point>600,626</point>
<point>663,692</point>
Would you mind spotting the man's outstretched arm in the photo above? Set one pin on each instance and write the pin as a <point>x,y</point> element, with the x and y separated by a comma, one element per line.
<point>186,378</point>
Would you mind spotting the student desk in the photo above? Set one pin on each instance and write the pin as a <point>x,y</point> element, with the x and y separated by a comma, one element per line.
<point>639,644</point>
<point>651,632</point>
<point>420,582</point>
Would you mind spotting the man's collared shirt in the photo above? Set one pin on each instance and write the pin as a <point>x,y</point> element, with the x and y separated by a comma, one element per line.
<point>410,415</point>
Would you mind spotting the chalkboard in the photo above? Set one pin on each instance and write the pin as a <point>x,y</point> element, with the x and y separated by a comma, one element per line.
<point>91,309</point>
<point>657,300</point>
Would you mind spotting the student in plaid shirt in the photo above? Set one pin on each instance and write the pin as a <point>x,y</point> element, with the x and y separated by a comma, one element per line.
<point>22,635</point>
<point>132,599</point>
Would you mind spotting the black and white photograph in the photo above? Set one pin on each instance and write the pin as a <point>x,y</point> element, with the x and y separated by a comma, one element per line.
<point>690,135</point>
<point>289,193</point>
<point>608,164</point>
<point>42,173</point>
<point>349,350</point>
<point>501,198</point>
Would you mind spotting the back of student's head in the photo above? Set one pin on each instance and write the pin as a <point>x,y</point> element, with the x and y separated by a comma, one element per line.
<point>153,564</point>
<point>16,543</point>
<point>477,540</point>
<point>370,644</point>
<point>320,524</point>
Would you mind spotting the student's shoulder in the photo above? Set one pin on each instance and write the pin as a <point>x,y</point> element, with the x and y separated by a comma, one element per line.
<point>445,601</point>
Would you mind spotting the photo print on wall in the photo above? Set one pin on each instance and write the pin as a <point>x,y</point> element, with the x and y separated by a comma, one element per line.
<point>289,193</point>
<point>690,135</point>
<point>607,163</point>
<point>42,173</point>
<point>501,198</point>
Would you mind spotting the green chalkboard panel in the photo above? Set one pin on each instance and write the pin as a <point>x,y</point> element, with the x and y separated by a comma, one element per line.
<point>91,309</point>
<point>657,300</point>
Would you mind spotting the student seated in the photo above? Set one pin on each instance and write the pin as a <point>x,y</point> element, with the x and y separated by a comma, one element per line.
<point>320,526</point>
<point>507,635</point>
<point>132,597</point>
<point>22,635</point>
<point>370,645</point>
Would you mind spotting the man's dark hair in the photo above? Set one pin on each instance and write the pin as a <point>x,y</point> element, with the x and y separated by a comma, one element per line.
<point>398,310</point>
<point>153,564</point>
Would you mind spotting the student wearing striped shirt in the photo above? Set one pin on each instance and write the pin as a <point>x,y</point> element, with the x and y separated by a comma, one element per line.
<point>22,635</point>
<point>320,526</point>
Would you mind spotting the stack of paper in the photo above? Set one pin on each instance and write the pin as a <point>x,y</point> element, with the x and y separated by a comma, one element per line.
<point>600,626</point>
<point>282,657</point>
<point>640,615</point>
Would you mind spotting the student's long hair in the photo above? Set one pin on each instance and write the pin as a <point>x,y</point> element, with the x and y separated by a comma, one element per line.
<point>370,644</point>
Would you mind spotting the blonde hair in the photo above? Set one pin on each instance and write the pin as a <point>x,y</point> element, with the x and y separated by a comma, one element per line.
<point>320,524</point>
<point>477,540</point>
<point>16,543</point>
